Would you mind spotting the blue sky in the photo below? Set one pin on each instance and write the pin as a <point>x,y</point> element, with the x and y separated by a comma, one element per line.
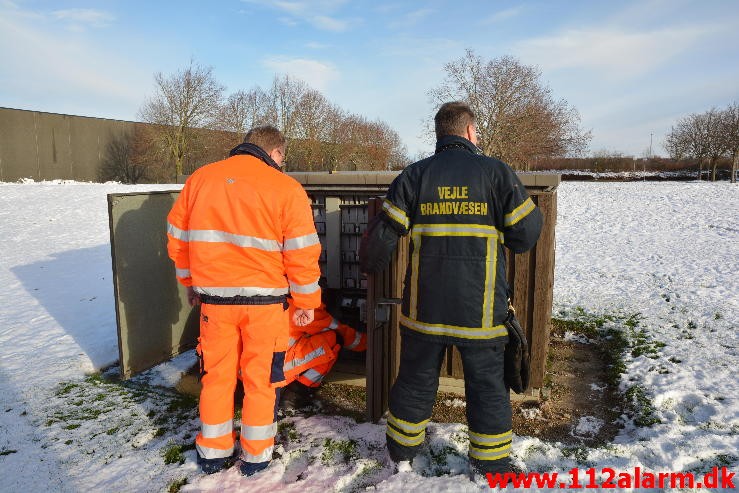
<point>631,68</point>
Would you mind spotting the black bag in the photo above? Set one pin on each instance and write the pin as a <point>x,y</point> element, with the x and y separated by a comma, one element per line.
<point>517,364</point>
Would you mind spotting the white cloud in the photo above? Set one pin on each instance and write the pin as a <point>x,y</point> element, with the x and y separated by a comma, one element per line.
<point>328,23</point>
<point>502,15</point>
<point>315,73</point>
<point>617,53</point>
<point>410,19</point>
<point>318,13</point>
<point>62,73</point>
<point>313,45</point>
<point>84,17</point>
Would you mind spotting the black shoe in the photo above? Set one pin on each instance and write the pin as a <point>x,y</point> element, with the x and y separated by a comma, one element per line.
<point>296,396</point>
<point>399,453</point>
<point>211,466</point>
<point>480,468</point>
<point>250,468</point>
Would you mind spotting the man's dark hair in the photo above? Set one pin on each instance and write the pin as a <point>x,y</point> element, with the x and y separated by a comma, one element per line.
<point>453,118</point>
<point>266,136</point>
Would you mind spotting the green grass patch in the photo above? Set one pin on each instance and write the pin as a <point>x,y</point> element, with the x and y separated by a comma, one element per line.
<point>176,485</point>
<point>7,451</point>
<point>286,429</point>
<point>173,454</point>
<point>343,450</point>
<point>642,410</point>
<point>579,454</point>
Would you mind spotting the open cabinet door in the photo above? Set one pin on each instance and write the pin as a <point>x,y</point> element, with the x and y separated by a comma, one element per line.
<point>384,291</point>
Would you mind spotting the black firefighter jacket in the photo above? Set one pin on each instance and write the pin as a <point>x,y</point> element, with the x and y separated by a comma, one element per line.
<point>460,208</point>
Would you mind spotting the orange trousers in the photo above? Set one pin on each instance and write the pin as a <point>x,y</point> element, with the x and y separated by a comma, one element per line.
<point>250,340</point>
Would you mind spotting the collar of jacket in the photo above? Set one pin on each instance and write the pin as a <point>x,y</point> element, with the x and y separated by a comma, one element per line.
<point>456,141</point>
<point>256,151</point>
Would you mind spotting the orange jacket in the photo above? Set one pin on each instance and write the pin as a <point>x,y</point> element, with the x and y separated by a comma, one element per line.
<point>323,321</point>
<point>242,228</point>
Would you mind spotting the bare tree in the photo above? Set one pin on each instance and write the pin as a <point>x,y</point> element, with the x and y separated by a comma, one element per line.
<point>518,120</point>
<point>244,110</point>
<point>186,100</point>
<point>120,162</point>
<point>730,133</point>
<point>283,99</point>
<point>698,136</point>
<point>313,116</point>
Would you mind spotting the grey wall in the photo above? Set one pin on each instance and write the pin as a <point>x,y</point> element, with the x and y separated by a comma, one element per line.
<point>47,146</point>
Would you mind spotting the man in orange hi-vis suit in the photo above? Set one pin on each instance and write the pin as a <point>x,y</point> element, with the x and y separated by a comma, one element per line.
<point>314,348</point>
<point>241,235</point>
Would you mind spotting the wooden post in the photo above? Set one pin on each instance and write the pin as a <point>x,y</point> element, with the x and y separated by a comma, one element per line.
<point>543,289</point>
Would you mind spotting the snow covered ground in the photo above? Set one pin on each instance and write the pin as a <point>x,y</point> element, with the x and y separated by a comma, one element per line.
<point>663,255</point>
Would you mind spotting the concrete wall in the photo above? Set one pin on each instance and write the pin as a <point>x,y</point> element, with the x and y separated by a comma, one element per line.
<point>48,146</point>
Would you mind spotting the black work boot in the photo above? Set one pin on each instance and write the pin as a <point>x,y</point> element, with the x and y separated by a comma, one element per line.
<point>296,396</point>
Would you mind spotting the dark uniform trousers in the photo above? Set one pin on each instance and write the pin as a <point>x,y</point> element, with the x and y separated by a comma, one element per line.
<point>488,401</point>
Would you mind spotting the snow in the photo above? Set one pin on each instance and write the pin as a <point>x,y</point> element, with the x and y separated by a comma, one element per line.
<point>664,255</point>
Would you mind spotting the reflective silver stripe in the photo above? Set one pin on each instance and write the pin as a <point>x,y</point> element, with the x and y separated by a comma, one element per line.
<point>519,212</point>
<point>394,212</point>
<point>307,358</point>
<point>404,440</point>
<point>216,431</point>
<point>332,326</point>
<point>263,457</point>
<point>213,453</point>
<point>291,341</point>
<point>176,232</point>
<point>215,236</point>
<point>241,291</point>
<point>183,273</point>
<point>490,454</point>
<point>313,376</point>
<point>450,330</point>
<point>304,288</point>
<point>258,432</point>
<point>407,426</point>
<point>490,440</point>
<point>301,242</point>
<point>456,229</point>
<point>355,342</point>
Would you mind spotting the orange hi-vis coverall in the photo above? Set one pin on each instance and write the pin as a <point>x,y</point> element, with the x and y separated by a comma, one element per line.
<point>314,348</point>
<point>241,233</point>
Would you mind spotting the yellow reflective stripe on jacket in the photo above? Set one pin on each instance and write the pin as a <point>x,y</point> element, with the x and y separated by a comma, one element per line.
<point>519,212</point>
<point>454,331</point>
<point>415,257</point>
<point>395,213</point>
<point>488,306</point>
<point>455,230</point>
